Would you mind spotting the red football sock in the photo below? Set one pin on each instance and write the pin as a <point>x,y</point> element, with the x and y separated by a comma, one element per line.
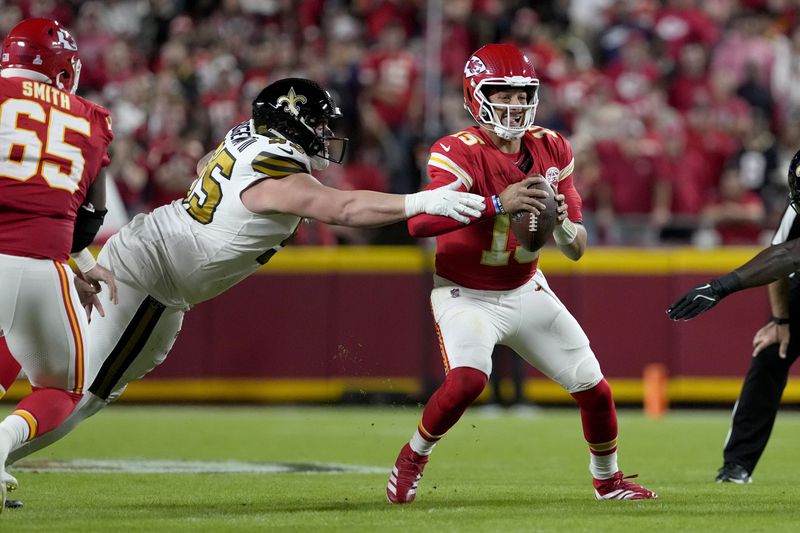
<point>599,418</point>
<point>460,388</point>
<point>47,408</point>
<point>9,368</point>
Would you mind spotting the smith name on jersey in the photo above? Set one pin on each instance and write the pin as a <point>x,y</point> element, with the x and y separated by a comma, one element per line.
<point>53,145</point>
<point>193,249</point>
<point>486,255</point>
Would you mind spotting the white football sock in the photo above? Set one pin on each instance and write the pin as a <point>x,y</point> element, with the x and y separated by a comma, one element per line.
<point>14,430</point>
<point>603,466</point>
<point>420,445</point>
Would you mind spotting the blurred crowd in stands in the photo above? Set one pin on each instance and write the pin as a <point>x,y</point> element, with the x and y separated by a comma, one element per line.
<point>683,114</point>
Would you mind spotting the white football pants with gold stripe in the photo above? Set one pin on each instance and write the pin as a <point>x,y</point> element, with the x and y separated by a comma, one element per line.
<point>43,322</point>
<point>134,337</point>
<point>530,320</point>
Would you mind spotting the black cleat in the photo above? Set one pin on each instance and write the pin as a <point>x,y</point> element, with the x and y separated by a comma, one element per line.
<point>733,473</point>
<point>13,504</point>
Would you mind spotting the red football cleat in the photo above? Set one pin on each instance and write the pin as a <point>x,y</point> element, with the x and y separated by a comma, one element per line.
<point>405,476</point>
<point>618,488</point>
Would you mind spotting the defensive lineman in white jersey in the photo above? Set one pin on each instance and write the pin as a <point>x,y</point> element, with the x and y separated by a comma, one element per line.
<point>248,200</point>
<point>190,251</point>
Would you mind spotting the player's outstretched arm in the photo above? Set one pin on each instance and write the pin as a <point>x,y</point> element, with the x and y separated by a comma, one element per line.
<point>302,195</point>
<point>516,197</point>
<point>445,201</point>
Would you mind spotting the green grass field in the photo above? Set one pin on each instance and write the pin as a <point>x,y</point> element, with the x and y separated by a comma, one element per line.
<point>491,473</point>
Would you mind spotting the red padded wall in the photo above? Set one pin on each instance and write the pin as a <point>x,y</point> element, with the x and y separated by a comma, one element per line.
<point>379,325</point>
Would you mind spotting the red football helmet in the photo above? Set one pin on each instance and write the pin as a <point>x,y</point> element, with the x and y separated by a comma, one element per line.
<point>500,66</point>
<point>43,46</point>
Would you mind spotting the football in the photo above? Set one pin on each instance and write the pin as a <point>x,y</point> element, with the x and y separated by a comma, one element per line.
<point>531,231</point>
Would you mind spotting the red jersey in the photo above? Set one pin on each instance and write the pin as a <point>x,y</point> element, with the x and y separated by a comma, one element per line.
<point>485,254</point>
<point>52,147</point>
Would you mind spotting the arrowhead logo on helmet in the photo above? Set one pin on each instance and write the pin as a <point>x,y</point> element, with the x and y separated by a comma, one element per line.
<point>66,41</point>
<point>42,46</point>
<point>474,67</point>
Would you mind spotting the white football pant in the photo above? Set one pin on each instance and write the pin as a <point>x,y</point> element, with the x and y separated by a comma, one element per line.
<point>530,320</point>
<point>43,322</point>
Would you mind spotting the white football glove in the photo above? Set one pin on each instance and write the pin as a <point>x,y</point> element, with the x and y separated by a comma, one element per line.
<point>445,201</point>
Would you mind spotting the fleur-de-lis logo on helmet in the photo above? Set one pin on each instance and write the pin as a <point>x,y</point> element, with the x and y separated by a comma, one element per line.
<point>292,100</point>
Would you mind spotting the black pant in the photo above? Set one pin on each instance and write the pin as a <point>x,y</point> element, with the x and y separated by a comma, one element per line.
<point>755,410</point>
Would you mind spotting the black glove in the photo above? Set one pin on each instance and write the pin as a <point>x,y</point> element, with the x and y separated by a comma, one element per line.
<point>703,297</point>
<point>696,301</point>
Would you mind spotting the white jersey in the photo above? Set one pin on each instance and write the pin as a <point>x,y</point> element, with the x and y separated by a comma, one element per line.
<point>784,232</point>
<point>193,249</point>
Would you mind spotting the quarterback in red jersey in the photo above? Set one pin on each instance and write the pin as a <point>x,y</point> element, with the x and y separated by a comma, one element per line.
<point>487,288</point>
<point>53,146</point>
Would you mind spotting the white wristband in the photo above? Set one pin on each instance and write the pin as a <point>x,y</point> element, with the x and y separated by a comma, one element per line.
<point>84,260</point>
<point>565,233</point>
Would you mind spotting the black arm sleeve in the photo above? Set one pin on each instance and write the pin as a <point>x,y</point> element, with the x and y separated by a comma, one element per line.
<point>87,224</point>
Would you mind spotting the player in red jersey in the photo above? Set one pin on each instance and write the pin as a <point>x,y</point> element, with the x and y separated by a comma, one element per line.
<point>487,288</point>
<point>53,146</point>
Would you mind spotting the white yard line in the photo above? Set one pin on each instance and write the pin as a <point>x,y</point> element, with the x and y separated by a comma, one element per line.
<point>165,466</point>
